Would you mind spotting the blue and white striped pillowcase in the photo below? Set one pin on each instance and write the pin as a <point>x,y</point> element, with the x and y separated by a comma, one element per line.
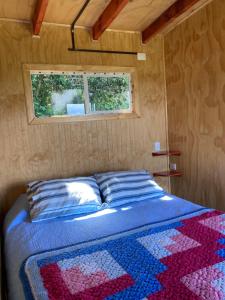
<point>123,187</point>
<point>63,197</point>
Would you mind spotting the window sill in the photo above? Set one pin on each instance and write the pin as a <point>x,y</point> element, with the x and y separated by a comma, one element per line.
<point>74,119</point>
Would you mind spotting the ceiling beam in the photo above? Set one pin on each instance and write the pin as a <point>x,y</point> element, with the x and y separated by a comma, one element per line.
<point>172,13</point>
<point>109,14</point>
<point>39,15</point>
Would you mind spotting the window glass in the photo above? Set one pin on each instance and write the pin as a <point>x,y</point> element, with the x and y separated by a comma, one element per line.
<point>57,94</point>
<point>80,93</point>
<point>109,93</point>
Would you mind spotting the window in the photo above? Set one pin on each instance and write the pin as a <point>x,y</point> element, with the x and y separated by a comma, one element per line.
<point>70,93</point>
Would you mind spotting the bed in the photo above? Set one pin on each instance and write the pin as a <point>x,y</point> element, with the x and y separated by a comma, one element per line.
<point>185,263</point>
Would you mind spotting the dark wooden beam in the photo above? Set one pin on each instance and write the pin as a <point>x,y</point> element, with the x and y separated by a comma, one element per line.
<point>173,12</point>
<point>109,14</point>
<point>39,15</point>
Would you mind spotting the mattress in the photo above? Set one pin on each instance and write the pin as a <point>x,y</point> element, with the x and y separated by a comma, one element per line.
<point>23,238</point>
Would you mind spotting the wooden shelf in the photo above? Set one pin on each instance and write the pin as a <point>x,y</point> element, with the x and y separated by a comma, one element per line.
<point>169,173</point>
<point>167,153</point>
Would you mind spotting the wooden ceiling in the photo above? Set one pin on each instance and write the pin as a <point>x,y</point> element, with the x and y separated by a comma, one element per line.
<point>135,15</point>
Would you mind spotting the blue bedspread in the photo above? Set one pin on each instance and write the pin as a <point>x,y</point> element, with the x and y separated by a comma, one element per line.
<point>23,239</point>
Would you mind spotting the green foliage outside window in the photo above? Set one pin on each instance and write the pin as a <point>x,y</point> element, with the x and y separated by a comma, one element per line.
<point>109,93</point>
<point>105,93</point>
<point>43,85</point>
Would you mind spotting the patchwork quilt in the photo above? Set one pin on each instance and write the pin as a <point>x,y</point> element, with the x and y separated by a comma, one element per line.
<point>181,260</point>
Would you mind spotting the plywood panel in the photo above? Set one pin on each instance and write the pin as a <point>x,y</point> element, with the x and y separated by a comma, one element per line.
<point>31,152</point>
<point>195,8</point>
<point>19,9</point>
<point>195,73</point>
<point>64,12</point>
<point>137,15</point>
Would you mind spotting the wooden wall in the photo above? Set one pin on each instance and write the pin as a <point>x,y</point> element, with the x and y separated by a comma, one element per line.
<point>195,75</point>
<point>29,152</point>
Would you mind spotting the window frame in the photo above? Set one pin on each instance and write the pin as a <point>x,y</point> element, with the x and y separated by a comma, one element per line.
<point>104,115</point>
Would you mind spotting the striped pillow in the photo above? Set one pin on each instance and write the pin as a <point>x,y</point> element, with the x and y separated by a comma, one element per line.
<point>119,188</point>
<point>63,197</point>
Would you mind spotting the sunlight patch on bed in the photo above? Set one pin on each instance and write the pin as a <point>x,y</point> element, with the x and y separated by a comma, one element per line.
<point>95,215</point>
<point>166,198</point>
<point>126,208</point>
<point>22,215</point>
<point>82,191</point>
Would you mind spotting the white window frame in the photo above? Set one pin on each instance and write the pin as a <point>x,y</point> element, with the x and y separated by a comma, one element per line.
<point>108,71</point>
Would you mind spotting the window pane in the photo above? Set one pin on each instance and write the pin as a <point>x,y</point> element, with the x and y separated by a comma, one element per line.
<point>57,94</point>
<point>109,93</point>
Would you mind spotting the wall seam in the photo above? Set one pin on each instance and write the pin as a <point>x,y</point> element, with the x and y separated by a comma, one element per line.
<point>166,111</point>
